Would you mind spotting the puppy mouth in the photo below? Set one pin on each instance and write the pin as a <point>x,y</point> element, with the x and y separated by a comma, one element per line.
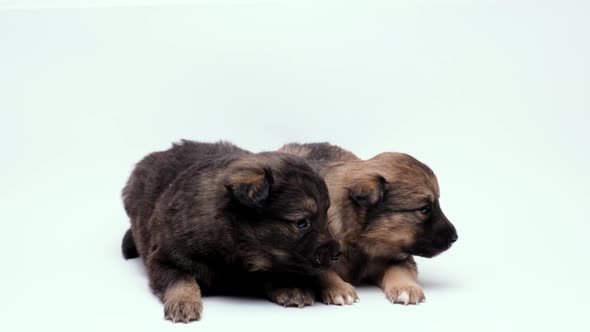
<point>325,255</point>
<point>428,254</point>
<point>320,265</point>
<point>326,262</point>
<point>429,251</point>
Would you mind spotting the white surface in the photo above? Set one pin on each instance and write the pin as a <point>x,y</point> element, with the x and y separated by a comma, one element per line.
<point>64,4</point>
<point>493,95</point>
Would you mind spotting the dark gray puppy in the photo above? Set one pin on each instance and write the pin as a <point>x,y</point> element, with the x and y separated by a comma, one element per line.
<point>212,216</point>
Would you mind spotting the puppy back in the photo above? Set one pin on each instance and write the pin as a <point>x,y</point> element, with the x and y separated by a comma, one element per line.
<point>323,152</point>
<point>152,175</point>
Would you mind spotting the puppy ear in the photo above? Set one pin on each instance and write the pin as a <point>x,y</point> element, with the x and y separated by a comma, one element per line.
<point>368,190</point>
<point>250,187</point>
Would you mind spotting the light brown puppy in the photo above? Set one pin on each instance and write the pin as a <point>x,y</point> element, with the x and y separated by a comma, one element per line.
<point>383,211</point>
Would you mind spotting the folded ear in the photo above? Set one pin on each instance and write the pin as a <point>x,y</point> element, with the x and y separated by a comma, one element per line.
<point>367,191</point>
<point>250,187</point>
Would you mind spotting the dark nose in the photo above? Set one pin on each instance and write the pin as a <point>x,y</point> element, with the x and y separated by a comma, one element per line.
<point>327,253</point>
<point>453,232</point>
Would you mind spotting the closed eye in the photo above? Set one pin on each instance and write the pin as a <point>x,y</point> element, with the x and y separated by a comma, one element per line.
<point>426,209</point>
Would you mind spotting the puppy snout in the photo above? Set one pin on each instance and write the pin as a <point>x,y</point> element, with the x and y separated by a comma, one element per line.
<point>453,237</point>
<point>326,254</point>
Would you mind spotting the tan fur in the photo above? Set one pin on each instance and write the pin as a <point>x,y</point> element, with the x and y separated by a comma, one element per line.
<point>335,290</point>
<point>279,254</point>
<point>392,233</point>
<point>360,175</point>
<point>295,149</point>
<point>182,301</point>
<point>307,207</point>
<point>339,154</point>
<point>346,175</point>
<point>386,239</point>
<point>253,178</point>
<point>291,297</point>
<point>259,263</point>
<point>400,279</point>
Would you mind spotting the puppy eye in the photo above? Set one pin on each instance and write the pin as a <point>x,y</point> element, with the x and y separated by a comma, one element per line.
<point>426,209</point>
<point>303,223</point>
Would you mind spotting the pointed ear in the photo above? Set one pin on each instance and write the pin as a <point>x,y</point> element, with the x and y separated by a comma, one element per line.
<point>367,191</point>
<point>250,187</point>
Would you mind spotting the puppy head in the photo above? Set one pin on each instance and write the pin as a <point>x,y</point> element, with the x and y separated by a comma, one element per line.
<point>396,198</point>
<point>278,206</point>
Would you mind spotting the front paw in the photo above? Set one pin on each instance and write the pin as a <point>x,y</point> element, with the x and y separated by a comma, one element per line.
<point>291,297</point>
<point>183,311</point>
<point>405,294</point>
<point>340,294</point>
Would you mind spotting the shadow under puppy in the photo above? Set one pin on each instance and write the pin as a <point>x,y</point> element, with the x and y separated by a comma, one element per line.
<point>383,211</point>
<point>212,216</point>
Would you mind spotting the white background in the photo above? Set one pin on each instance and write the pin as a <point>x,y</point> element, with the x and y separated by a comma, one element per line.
<point>493,95</point>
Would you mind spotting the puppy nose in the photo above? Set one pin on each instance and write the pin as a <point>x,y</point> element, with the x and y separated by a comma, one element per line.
<point>454,238</point>
<point>327,253</point>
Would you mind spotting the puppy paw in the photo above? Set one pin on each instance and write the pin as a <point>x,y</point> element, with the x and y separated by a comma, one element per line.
<point>340,294</point>
<point>183,311</point>
<point>292,297</point>
<point>405,294</point>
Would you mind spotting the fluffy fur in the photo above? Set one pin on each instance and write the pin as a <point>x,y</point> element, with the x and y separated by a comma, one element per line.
<point>212,217</point>
<point>383,211</point>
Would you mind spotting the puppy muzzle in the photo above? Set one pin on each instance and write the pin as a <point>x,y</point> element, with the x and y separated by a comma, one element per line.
<point>430,247</point>
<point>326,254</point>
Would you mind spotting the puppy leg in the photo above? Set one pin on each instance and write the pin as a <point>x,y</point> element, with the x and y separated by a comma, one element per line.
<point>334,290</point>
<point>400,283</point>
<point>178,290</point>
<point>290,293</point>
